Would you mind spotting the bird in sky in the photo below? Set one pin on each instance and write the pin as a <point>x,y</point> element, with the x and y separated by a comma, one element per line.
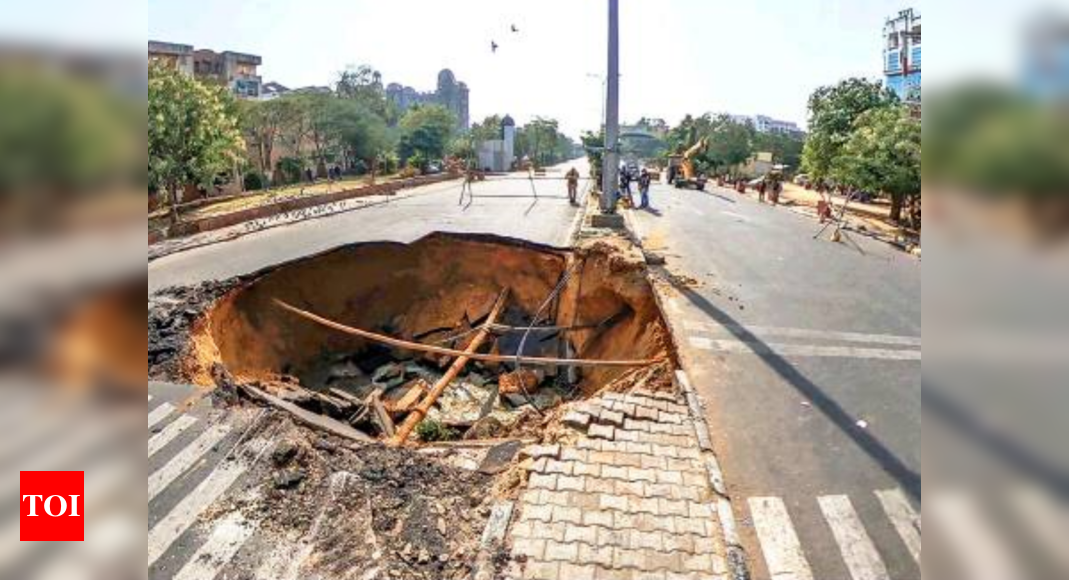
<point>493,46</point>
<point>514,29</point>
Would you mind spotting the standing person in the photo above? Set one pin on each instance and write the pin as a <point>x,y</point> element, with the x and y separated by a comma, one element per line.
<point>644,188</point>
<point>761,187</point>
<point>625,182</point>
<point>573,185</point>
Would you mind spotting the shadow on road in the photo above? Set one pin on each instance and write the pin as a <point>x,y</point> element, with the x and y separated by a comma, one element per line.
<point>720,197</point>
<point>892,465</point>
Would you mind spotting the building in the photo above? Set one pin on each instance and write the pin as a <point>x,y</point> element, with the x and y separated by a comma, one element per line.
<point>272,90</point>
<point>902,55</point>
<point>449,93</point>
<point>499,154</point>
<point>171,55</point>
<point>766,124</point>
<point>234,70</point>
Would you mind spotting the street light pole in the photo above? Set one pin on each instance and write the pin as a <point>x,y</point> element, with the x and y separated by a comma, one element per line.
<point>609,177</point>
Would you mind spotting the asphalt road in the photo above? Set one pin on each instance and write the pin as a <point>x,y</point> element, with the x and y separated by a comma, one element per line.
<point>510,206</point>
<point>807,353</point>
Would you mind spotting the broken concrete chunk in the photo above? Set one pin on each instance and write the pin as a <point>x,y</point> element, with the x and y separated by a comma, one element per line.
<point>406,397</point>
<point>289,478</point>
<point>517,381</point>
<point>388,372</point>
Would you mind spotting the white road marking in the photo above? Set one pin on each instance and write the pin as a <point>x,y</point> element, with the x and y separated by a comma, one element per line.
<point>975,547</point>
<point>806,333</point>
<point>737,216</point>
<point>903,518</point>
<point>185,459</point>
<point>779,542</point>
<point>229,535</point>
<point>859,554</point>
<point>800,350</point>
<point>159,414</point>
<point>175,523</point>
<point>1047,521</point>
<point>168,433</point>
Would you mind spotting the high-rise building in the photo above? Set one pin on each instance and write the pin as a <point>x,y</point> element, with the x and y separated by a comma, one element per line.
<point>449,93</point>
<point>902,55</point>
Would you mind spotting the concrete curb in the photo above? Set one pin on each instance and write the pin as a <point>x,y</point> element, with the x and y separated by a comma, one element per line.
<point>738,563</point>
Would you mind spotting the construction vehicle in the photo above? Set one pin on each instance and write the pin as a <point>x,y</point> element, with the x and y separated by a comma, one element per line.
<point>681,171</point>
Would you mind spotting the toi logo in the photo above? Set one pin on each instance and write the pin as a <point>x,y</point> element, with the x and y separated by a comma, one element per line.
<point>51,506</point>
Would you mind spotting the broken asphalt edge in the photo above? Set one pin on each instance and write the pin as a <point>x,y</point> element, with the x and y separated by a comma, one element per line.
<point>738,563</point>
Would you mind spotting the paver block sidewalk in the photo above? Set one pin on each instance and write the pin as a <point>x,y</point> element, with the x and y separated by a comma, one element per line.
<point>630,500</point>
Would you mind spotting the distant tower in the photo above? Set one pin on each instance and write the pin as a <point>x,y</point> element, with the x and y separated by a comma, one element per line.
<point>508,134</point>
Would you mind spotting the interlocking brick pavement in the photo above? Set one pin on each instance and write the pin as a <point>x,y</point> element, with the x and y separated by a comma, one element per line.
<point>630,499</point>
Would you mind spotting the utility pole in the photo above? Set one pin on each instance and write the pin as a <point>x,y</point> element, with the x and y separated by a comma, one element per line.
<point>610,162</point>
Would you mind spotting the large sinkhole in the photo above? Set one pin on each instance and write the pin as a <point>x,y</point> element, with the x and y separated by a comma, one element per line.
<point>593,303</point>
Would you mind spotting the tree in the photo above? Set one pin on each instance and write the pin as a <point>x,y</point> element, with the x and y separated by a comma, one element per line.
<point>264,124</point>
<point>192,135</point>
<point>785,149</point>
<point>731,142</point>
<point>883,154</point>
<point>363,134</point>
<point>833,111</point>
<point>426,130</point>
<point>488,130</point>
<point>363,84</point>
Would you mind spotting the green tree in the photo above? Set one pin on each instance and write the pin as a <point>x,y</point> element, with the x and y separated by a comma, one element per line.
<point>363,134</point>
<point>426,130</point>
<point>883,155</point>
<point>363,84</point>
<point>488,130</point>
<point>833,111</point>
<point>192,136</point>
<point>731,142</point>
<point>594,144</point>
<point>785,149</point>
<point>264,123</point>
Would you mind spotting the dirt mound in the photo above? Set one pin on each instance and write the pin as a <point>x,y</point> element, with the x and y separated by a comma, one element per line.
<point>405,514</point>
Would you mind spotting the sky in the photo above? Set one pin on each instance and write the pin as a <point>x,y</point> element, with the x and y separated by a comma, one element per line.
<point>677,56</point>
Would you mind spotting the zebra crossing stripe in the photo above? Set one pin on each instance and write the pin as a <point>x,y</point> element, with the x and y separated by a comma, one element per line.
<point>168,433</point>
<point>978,551</point>
<point>903,518</point>
<point>178,520</point>
<point>859,554</point>
<point>159,414</point>
<point>185,459</point>
<point>779,542</point>
<point>229,534</point>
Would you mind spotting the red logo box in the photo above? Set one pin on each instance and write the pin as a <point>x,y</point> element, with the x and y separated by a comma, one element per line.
<point>52,506</point>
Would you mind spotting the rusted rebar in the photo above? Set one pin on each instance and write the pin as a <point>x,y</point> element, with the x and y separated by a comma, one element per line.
<point>418,347</point>
<point>451,373</point>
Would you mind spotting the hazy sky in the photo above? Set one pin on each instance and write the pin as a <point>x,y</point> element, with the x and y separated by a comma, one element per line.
<point>677,56</point>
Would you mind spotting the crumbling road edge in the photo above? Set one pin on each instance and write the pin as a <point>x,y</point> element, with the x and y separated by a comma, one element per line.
<point>738,563</point>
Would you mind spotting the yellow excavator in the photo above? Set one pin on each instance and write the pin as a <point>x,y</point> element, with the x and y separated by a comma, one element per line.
<point>681,171</point>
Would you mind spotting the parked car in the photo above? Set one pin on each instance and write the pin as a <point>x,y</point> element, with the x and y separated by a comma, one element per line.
<point>433,168</point>
<point>801,179</point>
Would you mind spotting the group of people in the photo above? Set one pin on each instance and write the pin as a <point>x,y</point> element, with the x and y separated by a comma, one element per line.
<point>644,179</point>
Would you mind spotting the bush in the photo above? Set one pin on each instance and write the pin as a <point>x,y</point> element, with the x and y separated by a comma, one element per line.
<point>408,172</point>
<point>255,180</point>
<point>431,430</point>
<point>289,169</point>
